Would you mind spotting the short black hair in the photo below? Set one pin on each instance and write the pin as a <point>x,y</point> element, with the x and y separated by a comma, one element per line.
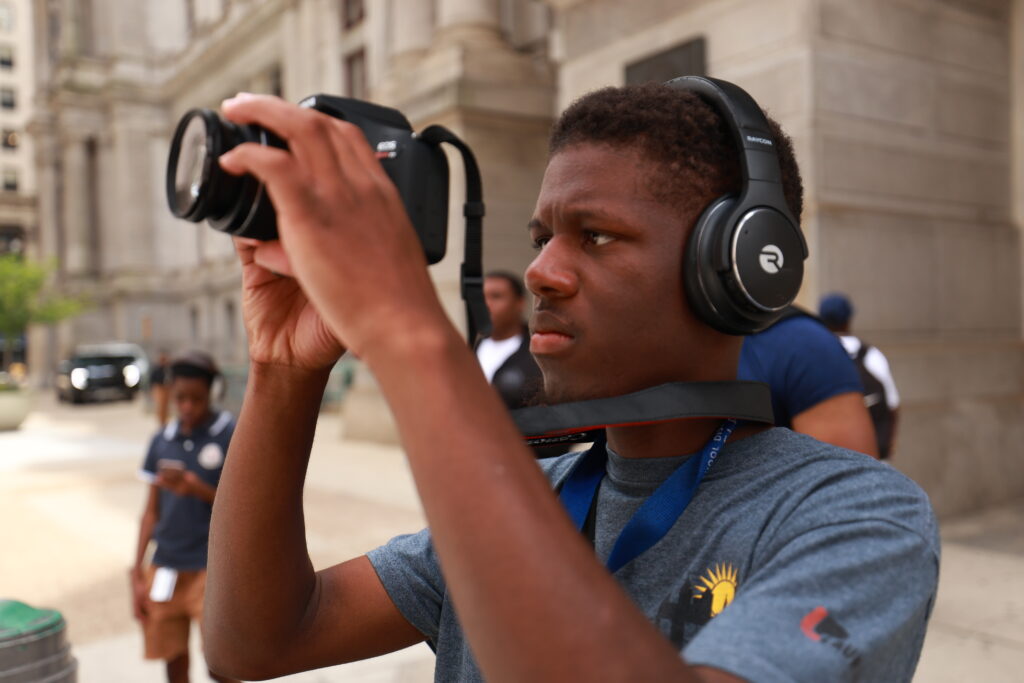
<point>677,129</point>
<point>514,282</point>
<point>188,371</point>
<point>195,364</point>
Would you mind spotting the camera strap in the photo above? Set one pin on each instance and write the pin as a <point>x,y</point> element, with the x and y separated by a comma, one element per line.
<point>584,421</point>
<point>471,276</point>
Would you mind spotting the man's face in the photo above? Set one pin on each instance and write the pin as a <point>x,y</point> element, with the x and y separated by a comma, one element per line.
<point>505,307</point>
<point>610,314</point>
<point>191,396</point>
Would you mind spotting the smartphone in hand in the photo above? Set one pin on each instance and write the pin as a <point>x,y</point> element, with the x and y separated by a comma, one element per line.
<point>170,468</point>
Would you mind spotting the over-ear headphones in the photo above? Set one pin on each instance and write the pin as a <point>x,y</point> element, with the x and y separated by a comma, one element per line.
<point>745,256</point>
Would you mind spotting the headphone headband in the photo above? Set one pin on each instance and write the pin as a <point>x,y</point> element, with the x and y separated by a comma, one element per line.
<point>746,122</point>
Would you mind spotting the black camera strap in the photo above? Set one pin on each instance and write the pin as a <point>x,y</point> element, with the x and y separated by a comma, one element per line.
<point>471,275</point>
<point>583,421</point>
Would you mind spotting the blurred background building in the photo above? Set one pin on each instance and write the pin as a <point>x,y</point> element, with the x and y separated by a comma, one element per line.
<point>17,161</point>
<point>908,118</point>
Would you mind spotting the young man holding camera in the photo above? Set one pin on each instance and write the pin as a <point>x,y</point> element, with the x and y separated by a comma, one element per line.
<point>795,559</point>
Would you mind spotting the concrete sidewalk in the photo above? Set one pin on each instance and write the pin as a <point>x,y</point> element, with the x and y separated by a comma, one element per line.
<point>68,478</point>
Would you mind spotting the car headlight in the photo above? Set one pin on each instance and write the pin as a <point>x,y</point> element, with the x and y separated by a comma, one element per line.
<point>79,378</point>
<point>132,375</point>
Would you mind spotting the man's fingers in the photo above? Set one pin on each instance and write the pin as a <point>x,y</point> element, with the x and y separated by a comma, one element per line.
<point>272,257</point>
<point>305,130</point>
<point>286,183</point>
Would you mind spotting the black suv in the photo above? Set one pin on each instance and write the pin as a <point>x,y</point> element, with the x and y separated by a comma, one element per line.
<point>102,371</point>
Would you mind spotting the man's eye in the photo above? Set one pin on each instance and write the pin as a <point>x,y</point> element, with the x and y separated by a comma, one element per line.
<point>540,242</point>
<point>597,238</point>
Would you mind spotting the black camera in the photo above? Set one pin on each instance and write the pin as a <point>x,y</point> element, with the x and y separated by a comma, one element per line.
<point>198,189</point>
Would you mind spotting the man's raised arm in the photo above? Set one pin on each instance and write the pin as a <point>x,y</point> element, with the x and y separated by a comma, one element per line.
<point>267,613</point>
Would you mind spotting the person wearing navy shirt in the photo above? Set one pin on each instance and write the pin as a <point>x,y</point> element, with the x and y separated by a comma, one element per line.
<point>182,467</point>
<point>816,388</point>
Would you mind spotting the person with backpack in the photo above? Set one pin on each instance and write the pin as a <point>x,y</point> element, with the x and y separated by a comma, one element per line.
<point>880,395</point>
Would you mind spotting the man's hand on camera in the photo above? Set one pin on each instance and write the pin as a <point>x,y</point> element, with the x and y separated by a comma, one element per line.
<point>282,325</point>
<point>344,232</point>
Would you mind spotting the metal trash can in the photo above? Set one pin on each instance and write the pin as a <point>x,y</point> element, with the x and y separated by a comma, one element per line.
<point>33,645</point>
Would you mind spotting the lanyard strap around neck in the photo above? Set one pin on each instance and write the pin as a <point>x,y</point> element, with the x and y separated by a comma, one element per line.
<point>657,514</point>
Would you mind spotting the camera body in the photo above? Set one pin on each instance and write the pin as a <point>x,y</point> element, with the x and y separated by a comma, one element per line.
<point>198,189</point>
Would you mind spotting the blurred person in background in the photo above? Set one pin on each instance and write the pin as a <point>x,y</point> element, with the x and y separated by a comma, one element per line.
<point>505,356</point>
<point>881,398</point>
<point>182,467</point>
<point>815,386</point>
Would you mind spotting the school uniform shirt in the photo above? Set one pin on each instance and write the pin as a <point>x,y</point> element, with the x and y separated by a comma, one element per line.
<point>183,527</point>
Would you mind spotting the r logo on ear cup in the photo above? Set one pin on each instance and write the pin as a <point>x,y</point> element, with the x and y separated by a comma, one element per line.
<point>771,259</point>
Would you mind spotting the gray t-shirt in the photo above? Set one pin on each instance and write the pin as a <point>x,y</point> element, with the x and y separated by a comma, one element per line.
<point>795,560</point>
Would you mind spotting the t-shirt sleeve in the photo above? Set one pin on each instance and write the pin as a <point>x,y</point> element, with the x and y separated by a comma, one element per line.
<point>147,472</point>
<point>408,568</point>
<point>410,572</point>
<point>843,600</point>
<point>803,363</point>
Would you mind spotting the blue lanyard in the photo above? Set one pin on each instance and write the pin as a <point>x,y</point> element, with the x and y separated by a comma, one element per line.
<point>657,514</point>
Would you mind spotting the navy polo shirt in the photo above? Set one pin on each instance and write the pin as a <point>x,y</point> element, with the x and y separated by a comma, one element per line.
<point>183,528</point>
<point>802,362</point>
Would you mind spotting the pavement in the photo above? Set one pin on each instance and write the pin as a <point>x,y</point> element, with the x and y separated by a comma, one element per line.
<point>70,504</point>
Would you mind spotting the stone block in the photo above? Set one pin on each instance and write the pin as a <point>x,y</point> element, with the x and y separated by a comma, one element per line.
<point>975,287</point>
<point>964,453</point>
<point>972,109</point>
<point>918,172</point>
<point>925,30</point>
<point>885,262</point>
<point>880,86</point>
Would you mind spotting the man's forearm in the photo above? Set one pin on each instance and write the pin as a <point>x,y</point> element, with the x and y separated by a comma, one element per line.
<point>260,578</point>
<point>511,558</point>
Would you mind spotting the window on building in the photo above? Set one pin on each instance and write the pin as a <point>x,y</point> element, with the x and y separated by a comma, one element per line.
<point>12,239</point>
<point>193,324</point>
<point>10,176</point>
<point>6,57</point>
<point>355,75</point>
<point>9,139</point>
<point>352,13</point>
<point>6,17</point>
<point>7,99</point>
<point>687,59</point>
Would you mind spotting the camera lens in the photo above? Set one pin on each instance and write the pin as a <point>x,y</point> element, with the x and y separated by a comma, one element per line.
<point>189,172</point>
<point>199,189</point>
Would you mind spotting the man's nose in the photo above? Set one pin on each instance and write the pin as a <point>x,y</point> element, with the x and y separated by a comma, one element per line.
<point>553,272</point>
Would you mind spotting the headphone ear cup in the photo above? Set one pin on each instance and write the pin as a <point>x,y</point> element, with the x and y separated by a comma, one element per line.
<point>705,291</point>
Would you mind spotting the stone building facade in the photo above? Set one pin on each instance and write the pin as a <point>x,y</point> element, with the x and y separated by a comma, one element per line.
<point>906,114</point>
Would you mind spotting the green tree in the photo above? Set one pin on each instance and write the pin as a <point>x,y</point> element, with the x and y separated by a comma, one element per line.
<point>25,298</point>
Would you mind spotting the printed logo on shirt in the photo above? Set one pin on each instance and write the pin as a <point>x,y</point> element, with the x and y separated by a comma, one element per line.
<point>822,627</point>
<point>718,586</point>
<point>211,456</point>
<point>695,602</point>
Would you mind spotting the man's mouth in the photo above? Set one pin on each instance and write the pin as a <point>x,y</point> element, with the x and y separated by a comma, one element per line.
<point>549,335</point>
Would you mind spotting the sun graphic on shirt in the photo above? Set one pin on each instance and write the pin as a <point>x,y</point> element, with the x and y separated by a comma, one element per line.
<point>721,581</point>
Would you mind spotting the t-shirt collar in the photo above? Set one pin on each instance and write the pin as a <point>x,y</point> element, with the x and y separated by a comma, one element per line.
<point>211,427</point>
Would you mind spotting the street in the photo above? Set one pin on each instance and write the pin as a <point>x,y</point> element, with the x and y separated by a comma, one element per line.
<point>70,504</point>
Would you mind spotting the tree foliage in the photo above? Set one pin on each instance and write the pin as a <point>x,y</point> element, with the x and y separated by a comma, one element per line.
<point>25,298</point>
